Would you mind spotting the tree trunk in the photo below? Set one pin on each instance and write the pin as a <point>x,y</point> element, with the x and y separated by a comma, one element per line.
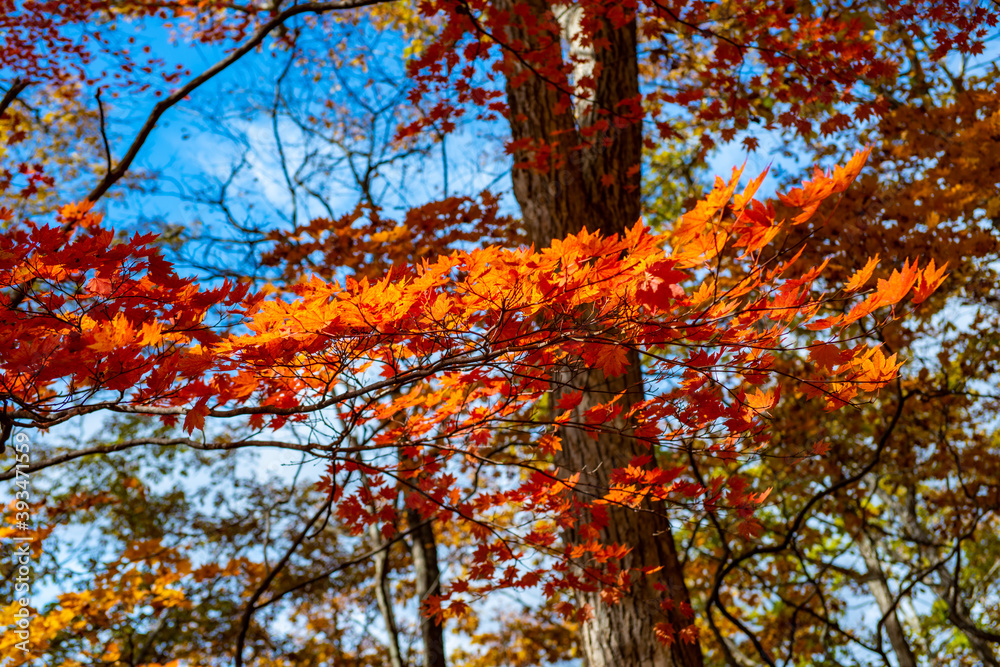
<point>596,187</point>
<point>946,589</point>
<point>879,587</point>
<point>384,599</point>
<point>423,549</point>
<point>623,633</point>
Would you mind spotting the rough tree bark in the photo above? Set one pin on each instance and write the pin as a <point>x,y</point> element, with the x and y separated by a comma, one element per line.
<point>423,549</point>
<point>563,195</point>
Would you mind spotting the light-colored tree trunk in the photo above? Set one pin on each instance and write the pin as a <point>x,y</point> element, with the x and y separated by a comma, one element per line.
<point>384,599</point>
<point>946,589</point>
<point>879,587</point>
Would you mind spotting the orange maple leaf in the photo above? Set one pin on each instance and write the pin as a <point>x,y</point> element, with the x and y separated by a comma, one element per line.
<point>862,275</point>
<point>930,280</point>
<point>893,289</point>
<point>875,369</point>
<point>612,359</point>
<point>827,355</point>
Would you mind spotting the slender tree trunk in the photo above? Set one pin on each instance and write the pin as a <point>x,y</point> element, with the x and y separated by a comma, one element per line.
<point>961,617</point>
<point>423,549</point>
<point>879,587</point>
<point>596,188</point>
<point>958,610</point>
<point>384,600</point>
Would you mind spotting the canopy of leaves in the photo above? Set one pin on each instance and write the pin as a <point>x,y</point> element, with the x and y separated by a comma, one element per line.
<point>807,381</point>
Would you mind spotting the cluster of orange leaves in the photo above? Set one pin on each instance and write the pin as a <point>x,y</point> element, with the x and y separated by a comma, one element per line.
<point>145,575</point>
<point>454,356</point>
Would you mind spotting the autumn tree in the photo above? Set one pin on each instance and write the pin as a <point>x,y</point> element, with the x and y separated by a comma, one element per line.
<point>617,364</point>
<point>923,502</point>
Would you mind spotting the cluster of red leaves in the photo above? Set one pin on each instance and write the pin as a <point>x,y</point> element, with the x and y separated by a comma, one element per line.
<point>368,244</point>
<point>452,359</point>
<point>811,60</point>
<point>58,42</point>
<point>954,25</point>
<point>97,316</point>
<point>36,40</point>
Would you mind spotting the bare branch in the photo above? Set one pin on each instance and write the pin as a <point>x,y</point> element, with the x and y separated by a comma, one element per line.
<point>158,442</point>
<point>16,87</point>
<point>161,107</point>
<point>104,133</point>
<point>279,566</point>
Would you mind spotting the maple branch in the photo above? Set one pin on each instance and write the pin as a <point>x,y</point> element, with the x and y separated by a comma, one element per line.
<point>714,598</point>
<point>452,362</point>
<point>159,442</point>
<point>17,86</point>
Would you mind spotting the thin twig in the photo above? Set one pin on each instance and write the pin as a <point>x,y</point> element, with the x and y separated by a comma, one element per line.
<point>16,87</point>
<point>104,134</point>
<point>161,107</point>
<point>279,566</point>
